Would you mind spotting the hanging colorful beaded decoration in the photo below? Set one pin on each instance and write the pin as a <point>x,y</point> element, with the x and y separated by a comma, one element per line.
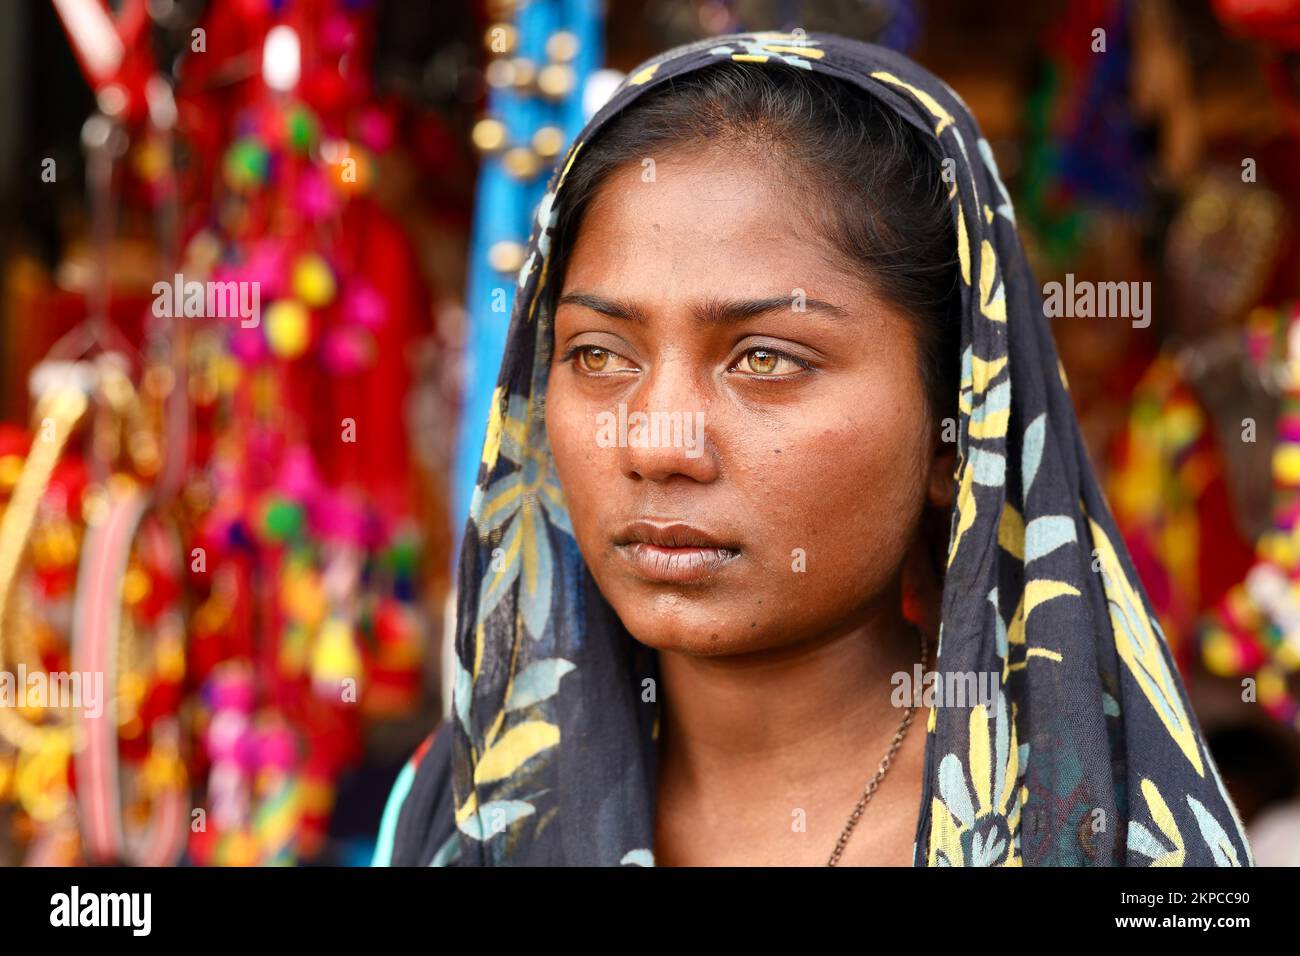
<point>1255,630</point>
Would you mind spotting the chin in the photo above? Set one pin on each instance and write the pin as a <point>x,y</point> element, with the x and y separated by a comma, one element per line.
<point>679,637</point>
<point>698,622</point>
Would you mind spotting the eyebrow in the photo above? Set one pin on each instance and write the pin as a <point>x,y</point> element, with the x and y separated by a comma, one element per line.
<point>710,311</point>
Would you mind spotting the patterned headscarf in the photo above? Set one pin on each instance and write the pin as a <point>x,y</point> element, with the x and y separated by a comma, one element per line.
<point>1089,754</point>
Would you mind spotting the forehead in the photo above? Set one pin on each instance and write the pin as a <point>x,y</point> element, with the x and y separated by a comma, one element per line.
<point>720,221</point>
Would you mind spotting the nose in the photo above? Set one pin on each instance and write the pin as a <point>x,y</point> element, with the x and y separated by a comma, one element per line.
<point>666,428</point>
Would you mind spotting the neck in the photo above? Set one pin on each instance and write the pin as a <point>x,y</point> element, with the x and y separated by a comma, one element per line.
<point>795,711</point>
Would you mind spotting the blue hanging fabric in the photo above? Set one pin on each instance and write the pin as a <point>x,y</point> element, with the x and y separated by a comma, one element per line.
<point>547,33</point>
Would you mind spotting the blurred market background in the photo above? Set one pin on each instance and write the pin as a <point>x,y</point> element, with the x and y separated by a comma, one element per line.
<point>252,529</point>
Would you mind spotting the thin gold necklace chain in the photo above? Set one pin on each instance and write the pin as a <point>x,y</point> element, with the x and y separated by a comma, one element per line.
<point>870,790</point>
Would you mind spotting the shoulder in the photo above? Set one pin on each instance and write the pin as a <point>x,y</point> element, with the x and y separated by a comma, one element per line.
<point>418,827</point>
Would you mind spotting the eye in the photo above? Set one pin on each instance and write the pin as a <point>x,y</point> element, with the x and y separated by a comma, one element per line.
<point>593,359</point>
<point>770,363</point>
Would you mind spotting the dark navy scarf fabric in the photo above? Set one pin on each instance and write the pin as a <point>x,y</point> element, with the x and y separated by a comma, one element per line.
<point>1089,754</point>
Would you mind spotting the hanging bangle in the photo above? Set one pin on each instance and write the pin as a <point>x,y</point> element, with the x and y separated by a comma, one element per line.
<point>98,618</point>
<point>58,413</point>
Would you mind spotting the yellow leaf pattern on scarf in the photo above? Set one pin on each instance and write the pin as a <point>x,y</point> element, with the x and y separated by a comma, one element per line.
<point>1141,651</point>
<point>925,99</point>
<point>1011,531</point>
<point>995,308</point>
<point>983,372</point>
<point>965,510</point>
<point>492,442</point>
<point>643,76</point>
<point>963,245</point>
<point>514,748</point>
<point>1164,820</point>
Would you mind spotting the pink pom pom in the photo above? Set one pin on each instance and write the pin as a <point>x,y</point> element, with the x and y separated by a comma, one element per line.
<point>348,351</point>
<point>363,305</point>
<point>316,201</point>
<point>231,690</point>
<point>226,736</point>
<point>338,517</point>
<point>277,749</point>
<point>267,265</point>
<point>336,34</point>
<point>248,345</point>
<point>375,129</point>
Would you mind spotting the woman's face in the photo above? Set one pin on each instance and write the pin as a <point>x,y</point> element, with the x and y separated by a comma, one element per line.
<point>785,430</point>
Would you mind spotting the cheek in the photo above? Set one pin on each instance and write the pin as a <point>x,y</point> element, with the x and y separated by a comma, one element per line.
<point>583,467</point>
<point>846,488</point>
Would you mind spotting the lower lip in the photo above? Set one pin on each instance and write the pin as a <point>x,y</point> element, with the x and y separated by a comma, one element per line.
<point>675,565</point>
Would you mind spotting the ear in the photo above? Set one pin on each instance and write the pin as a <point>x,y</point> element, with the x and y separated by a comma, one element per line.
<point>940,483</point>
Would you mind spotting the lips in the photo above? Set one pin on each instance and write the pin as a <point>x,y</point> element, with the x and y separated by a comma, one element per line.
<point>674,552</point>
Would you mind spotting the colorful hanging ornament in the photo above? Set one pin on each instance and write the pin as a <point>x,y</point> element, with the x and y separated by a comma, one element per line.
<point>276,608</point>
<point>313,281</point>
<point>1255,630</point>
<point>247,165</point>
<point>288,328</point>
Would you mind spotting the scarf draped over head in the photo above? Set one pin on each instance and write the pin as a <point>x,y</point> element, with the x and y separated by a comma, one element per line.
<point>1087,754</point>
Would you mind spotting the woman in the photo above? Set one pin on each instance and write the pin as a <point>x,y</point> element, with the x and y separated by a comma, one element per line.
<point>775,301</point>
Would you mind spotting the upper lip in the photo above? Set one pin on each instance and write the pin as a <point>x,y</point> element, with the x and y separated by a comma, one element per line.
<point>674,534</point>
